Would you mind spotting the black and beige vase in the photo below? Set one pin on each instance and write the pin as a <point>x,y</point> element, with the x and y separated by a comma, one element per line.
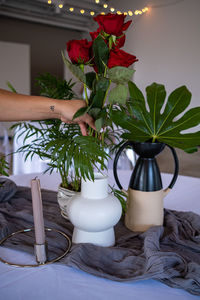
<point>145,193</point>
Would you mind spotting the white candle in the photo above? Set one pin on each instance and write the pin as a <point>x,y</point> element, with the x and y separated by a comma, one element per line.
<point>37,212</point>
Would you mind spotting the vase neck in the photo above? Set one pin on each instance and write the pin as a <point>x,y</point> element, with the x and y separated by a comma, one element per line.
<point>97,189</point>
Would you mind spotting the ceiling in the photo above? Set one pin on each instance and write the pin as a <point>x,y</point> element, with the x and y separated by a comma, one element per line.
<point>40,11</point>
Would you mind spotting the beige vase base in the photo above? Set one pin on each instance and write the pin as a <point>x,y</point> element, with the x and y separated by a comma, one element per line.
<point>144,209</point>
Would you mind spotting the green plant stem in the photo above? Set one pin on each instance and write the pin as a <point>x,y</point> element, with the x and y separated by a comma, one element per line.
<point>63,177</point>
<point>102,138</point>
<point>106,93</point>
<point>153,139</point>
<point>86,96</point>
<point>91,131</point>
<point>84,85</point>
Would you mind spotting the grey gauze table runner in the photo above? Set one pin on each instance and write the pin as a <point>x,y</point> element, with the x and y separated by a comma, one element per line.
<point>169,253</point>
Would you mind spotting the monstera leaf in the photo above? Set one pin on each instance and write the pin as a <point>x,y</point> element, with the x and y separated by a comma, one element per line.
<point>143,120</point>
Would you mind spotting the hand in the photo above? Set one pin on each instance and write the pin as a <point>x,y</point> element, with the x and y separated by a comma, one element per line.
<point>70,108</point>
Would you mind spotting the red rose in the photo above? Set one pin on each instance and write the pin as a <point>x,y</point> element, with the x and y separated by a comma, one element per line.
<point>112,23</point>
<point>119,41</point>
<point>95,34</point>
<point>121,58</point>
<point>79,51</point>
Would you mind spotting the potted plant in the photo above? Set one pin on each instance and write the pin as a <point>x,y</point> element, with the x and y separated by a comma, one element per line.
<point>106,83</point>
<point>148,127</point>
<point>61,145</point>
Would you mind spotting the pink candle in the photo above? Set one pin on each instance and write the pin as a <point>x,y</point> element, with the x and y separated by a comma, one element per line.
<point>37,212</point>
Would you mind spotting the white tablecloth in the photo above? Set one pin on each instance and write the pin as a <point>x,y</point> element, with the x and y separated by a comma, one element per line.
<point>59,282</point>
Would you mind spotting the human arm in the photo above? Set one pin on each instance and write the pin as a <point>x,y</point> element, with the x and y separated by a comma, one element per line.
<point>18,107</point>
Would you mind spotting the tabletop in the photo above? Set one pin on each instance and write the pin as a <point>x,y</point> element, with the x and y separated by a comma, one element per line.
<point>61,282</point>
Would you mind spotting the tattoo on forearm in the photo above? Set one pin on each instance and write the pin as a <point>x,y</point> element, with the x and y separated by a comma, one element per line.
<point>52,107</point>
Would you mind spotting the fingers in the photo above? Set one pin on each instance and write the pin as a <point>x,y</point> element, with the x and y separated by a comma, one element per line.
<point>90,121</point>
<point>83,128</point>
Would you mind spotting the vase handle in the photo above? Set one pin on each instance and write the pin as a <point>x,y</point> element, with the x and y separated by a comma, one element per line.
<point>116,161</point>
<point>176,167</point>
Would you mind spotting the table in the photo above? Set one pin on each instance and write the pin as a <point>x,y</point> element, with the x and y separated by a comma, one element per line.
<point>61,282</point>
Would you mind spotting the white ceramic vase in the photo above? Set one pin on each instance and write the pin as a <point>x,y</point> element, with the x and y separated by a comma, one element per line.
<point>94,213</point>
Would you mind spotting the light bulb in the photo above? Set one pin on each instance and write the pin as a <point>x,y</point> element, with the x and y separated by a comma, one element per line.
<point>102,13</point>
<point>119,12</point>
<point>130,13</point>
<point>97,1</point>
<point>49,1</point>
<point>82,11</point>
<point>112,9</point>
<point>71,9</point>
<point>60,5</point>
<point>105,5</point>
<point>92,13</point>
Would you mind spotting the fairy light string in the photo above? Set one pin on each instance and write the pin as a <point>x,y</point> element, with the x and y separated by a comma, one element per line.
<point>106,9</point>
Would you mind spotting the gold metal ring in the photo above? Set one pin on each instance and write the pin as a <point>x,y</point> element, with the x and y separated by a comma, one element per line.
<point>36,265</point>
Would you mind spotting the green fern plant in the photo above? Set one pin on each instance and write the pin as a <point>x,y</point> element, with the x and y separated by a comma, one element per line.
<point>4,166</point>
<point>62,145</point>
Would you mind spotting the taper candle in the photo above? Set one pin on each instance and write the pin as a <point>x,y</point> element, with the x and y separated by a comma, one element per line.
<point>37,212</point>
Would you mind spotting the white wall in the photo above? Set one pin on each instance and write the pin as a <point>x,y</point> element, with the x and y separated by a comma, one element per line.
<point>15,68</point>
<point>166,41</point>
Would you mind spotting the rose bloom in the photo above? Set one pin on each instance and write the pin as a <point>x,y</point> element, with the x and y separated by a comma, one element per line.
<point>119,41</point>
<point>121,58</point>
<point>79,51</point>
<point>112,23</point>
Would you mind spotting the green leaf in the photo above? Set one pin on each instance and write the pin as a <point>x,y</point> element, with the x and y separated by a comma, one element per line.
<point>90,77</point>
<point>135,93</point>
<point>76,71</point>
<point>155,98</point>
<point>101,53</point>
<point>11,87</point>
<point>94,112</point>
<point>120,75</point>
<point>53,87</point>
<point>99,124</point>
<point>4,166</point>
<point>177,102</point>
<point>80,112</point>
<point>118,94</point>
<point>102,84</point>
<point>98,99</point>
<point>150,124</point>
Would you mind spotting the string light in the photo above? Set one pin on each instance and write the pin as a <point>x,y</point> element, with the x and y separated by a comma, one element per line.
<point>145,9</point>
<point>105,5</point>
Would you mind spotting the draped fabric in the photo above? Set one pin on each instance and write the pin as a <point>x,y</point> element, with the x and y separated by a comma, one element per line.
<point>169,253</point>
